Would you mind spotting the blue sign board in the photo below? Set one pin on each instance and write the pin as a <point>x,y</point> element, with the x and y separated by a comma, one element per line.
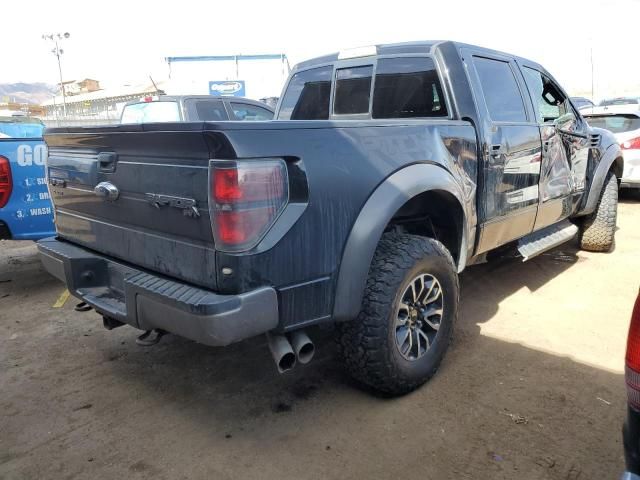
<point>27,213</point>
<point>232,88</point>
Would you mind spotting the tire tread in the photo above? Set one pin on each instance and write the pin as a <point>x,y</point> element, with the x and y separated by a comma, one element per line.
<point>360,340</point>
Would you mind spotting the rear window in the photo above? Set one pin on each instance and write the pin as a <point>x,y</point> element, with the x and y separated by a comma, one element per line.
<point>149,112</point>
<point>12,128</point>
<point>307,96</point>
<point>615,123</point>
<point>353,90</point>
<point>619,101</point>
<point>406,88</point>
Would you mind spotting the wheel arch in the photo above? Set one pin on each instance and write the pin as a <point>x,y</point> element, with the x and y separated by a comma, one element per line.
<point>611,160</point>
<point>414,190</point>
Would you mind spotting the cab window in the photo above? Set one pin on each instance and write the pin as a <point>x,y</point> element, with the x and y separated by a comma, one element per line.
<point>307,96</point>
<point>500,89</point>
<point>250,113</point>
<point>407,87</point>
<point>353,90</point>
<point>552,106</point>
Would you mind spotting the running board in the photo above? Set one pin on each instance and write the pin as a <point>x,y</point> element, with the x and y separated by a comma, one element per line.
<point>545,239</point>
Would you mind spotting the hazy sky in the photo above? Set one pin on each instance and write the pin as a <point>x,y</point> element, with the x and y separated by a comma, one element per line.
<point>122,42</point>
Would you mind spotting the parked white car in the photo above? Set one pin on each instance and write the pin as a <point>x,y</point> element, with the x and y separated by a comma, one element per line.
<point>624,122</point>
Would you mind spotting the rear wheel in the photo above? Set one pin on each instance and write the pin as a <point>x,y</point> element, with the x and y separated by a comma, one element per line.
<point>409,307</point>
<point>598,229</point>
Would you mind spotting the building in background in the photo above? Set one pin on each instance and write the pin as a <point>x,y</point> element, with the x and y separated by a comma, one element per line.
<point>12,109</point>
<point>76,87</point>
<point>98,106</point>
<point>252,76</point>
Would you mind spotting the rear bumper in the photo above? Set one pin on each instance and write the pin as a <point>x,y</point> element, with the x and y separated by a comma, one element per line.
<point>149,301</point>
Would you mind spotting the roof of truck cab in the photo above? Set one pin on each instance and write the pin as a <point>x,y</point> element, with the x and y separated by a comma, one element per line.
<point>419,47</point>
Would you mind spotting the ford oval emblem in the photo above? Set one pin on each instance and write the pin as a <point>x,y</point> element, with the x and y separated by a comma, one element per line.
<point>107,190</point>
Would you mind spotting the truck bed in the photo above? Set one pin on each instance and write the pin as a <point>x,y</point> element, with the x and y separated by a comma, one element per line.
<point>340,163</point>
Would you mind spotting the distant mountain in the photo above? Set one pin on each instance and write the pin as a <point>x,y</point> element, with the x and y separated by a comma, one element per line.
<point>26,92</point>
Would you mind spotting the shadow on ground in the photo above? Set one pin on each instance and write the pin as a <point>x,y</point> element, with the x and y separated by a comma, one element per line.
<point>80,402</point>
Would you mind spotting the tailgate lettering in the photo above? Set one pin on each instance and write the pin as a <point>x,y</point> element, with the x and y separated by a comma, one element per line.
<point>28,156</point>
<point>188,206</point>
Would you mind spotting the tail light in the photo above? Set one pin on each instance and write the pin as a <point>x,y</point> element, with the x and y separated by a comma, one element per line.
<point>632,359</point>
<point>245,198</point>
<point>634,143</point>
<point>6,182</point>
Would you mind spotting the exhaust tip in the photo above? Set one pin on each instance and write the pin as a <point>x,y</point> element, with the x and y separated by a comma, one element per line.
<point>303,346</point>
<point>282,352</point>
<point>287,362</point>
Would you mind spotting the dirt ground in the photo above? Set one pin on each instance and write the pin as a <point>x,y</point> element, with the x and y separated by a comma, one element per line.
<point>532,387</point>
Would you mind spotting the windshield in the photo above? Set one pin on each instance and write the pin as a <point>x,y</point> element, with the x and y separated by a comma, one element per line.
<point>615,123</point>
<point>12,128</point>
<point>149,112</point>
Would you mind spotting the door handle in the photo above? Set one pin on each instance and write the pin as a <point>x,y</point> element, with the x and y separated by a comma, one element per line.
<point>107,162</point>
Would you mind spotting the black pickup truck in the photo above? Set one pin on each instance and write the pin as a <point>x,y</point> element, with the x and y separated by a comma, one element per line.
<point>387,171</point>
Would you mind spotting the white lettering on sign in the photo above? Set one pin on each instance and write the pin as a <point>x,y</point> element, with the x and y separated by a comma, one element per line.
<point>44,195</point>
<point>41,181</point>
<point>34,212</point>
<point>28,156</point>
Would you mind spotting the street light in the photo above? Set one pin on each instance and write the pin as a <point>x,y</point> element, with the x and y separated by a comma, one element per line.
<point>57,51</point>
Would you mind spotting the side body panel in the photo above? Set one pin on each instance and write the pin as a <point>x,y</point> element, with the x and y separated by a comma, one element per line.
<point>29,213</point>
<point>344,165</point>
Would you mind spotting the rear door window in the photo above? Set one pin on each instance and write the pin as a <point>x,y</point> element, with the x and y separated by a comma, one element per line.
<point>353,90</point>
<point>148,112</point>
<point>307,96</point>
<point>250,113</point>
<point>500,88</point>
<point>407,87</point>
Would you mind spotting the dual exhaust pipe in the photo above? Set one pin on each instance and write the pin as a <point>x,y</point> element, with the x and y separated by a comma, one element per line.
<point>286,352</point>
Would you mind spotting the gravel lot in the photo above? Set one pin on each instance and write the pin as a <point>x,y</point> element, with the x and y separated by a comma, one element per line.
<point>532,387</point>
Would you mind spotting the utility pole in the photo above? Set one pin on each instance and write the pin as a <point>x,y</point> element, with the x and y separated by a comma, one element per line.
<point>592,75</point>
<point>57,51</point>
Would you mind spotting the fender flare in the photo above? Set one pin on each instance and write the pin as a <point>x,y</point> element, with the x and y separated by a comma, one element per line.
<point>611,155</point>
<point>375,215</point>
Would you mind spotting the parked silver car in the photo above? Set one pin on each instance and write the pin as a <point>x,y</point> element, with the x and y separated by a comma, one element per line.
<point>624,122</point>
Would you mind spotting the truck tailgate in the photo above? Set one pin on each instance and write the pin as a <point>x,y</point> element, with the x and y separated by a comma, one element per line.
<point>139,196</point>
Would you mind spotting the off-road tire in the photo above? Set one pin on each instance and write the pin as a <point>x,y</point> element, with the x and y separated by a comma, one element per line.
<point>367,344</point>
<point>598,229</point>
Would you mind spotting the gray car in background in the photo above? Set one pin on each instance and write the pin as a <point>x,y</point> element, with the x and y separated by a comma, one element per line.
<point>194,108</point>
<point>608,102</point>
<point>624,122</point>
